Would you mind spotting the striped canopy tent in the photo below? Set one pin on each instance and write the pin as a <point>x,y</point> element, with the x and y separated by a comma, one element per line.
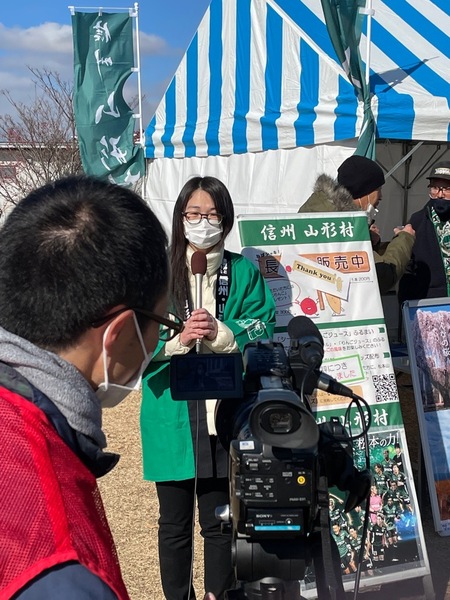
<point>261,101</point>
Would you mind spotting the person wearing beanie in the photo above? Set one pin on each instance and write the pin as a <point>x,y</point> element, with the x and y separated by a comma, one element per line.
<point>428,272</point>
<point>360,176</point>
<point>358,187</point>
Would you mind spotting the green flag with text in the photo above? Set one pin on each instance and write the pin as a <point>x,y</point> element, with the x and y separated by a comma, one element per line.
<point>344,21</point>
<point>103,61</point>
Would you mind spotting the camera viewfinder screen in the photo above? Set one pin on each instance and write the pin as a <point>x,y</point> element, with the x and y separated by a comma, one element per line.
<point>206,376</point>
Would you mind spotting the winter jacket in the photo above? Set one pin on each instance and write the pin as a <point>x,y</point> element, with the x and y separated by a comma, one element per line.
<point>424,276</point>
<point>54,540</point>
<point>329,196</point>
<point>167,436</point>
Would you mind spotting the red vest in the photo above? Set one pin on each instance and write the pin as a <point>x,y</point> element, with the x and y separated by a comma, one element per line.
<point>51,509</point>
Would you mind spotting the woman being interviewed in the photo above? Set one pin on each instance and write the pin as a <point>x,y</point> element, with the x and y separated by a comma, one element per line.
<point>181,451</point>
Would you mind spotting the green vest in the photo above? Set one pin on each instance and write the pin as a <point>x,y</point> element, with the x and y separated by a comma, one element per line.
<point>167,449</point>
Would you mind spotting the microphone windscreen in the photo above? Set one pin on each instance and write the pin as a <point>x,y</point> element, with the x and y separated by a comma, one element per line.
<point>301,326</point>
<point>198,263</point>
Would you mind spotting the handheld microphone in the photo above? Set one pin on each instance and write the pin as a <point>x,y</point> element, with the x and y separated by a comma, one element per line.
<point>198,268</point>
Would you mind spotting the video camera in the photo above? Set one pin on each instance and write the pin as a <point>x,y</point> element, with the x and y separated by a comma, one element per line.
<point>281,461</point>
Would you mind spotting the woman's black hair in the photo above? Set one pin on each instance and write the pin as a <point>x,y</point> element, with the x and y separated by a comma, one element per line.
<point>224,206</point>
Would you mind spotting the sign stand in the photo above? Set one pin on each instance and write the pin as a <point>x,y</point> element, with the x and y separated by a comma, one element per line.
<point>321,265</point>
<point>427,328</point>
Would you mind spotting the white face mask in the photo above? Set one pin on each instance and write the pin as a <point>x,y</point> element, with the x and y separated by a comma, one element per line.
<point>371,212</point>
<point>112,394</point>
<point>203,235</point>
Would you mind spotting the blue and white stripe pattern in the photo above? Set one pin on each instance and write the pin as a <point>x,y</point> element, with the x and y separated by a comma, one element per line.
<point>263,75</point>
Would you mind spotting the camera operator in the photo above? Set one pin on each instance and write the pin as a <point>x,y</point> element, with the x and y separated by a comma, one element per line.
<point>83,279</point>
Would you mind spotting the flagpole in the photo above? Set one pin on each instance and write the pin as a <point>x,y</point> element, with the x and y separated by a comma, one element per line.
<point>369,11</point>
<point>101,8</point>
<point>138,70</point>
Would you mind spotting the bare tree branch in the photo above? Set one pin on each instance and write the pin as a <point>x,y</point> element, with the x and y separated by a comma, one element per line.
<point>40,142</point>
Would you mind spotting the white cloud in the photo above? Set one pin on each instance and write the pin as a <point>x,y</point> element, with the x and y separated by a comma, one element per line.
<point>152,44</point>
<point>45,38</point>
<point>57,39</point>
<point>49,46</point>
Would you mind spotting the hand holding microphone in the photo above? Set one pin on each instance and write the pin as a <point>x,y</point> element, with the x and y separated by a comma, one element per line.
<point>201,323</point>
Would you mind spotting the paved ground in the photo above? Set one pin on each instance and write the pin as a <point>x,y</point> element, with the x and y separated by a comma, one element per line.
<point>132,510</point>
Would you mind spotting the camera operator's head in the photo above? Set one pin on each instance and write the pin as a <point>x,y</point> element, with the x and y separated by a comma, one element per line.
<point>82,264</point>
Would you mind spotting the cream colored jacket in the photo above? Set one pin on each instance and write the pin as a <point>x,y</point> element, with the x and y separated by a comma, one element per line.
<point>224,341</point>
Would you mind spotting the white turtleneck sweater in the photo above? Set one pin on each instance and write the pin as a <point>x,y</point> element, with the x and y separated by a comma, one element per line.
<point>224,342</point>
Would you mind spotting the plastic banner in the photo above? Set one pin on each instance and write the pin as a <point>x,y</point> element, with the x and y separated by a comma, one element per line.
<point>103,61</point>
<point>322,266</point>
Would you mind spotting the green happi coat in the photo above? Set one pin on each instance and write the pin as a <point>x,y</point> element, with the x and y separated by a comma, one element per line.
<point>168,453</point>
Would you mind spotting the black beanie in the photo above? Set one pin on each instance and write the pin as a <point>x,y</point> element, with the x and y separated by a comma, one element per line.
<point>360,175</point>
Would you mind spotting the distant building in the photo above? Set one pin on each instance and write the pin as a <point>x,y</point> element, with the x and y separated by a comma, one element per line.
<point>25,166</point>
<point>10,169</point>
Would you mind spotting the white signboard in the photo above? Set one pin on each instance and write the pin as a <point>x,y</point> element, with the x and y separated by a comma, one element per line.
<point>322,266</point>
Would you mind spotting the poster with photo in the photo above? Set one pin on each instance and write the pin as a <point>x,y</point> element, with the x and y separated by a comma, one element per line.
<point>321,266</point>
<point>392,544</point>
<point>427,327</point>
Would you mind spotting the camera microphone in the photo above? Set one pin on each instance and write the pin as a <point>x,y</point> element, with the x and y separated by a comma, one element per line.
<point>198,268</point>
<point>306,341</point>
<point>307,347</point>
<point>326,383</point>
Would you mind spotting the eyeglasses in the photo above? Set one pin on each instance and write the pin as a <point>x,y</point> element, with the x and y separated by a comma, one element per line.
<point>196,217</point>
<point>435,189</point>
<point>171,324</point>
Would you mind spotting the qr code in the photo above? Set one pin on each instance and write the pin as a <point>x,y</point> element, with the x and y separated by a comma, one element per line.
<point>385,388</point>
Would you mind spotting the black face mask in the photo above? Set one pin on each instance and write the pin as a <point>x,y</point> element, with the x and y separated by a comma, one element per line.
<point>442,208</point>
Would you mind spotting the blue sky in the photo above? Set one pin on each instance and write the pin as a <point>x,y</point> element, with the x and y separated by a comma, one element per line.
<point>39,34</point>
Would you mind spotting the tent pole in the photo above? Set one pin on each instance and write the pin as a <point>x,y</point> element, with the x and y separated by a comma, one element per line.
<point>407,159</point>
<point>400,162</point>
